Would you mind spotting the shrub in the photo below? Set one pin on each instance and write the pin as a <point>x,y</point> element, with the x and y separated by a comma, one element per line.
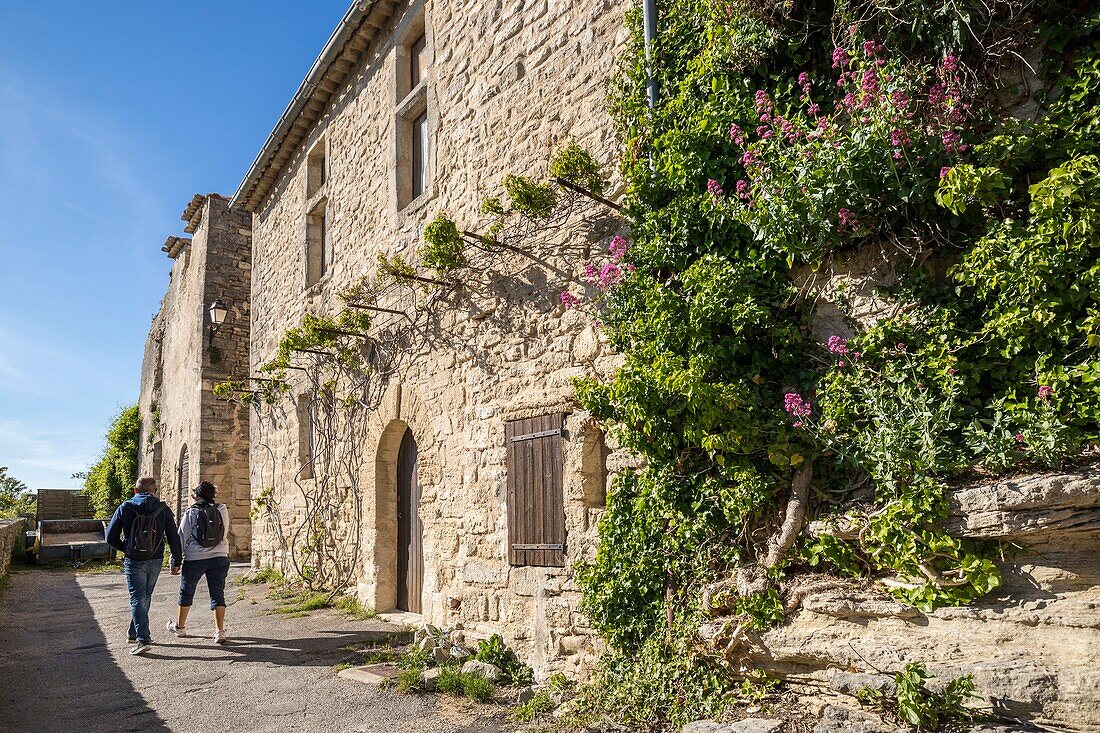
<point>111,480</point>
<point>512,671</point>
<point>534,708</point>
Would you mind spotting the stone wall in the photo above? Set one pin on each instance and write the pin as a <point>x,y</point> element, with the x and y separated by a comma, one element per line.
<point>183,362</point>
<point>505,87</point>
<point>1032,645</point>
<point>11,538</point>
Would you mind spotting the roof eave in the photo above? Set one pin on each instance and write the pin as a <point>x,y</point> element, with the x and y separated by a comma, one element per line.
<point>350,29</point>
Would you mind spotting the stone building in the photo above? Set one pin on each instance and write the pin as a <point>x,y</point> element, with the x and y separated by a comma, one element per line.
<point>472,484</point>
<point>188,435</point>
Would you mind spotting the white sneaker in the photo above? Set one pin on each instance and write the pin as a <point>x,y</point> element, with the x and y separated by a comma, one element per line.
<point>141,648</point>
<point>220,637</point>
<point>176,629</point>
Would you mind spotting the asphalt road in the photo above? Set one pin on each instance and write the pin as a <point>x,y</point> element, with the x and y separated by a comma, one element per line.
<point>65,667</point>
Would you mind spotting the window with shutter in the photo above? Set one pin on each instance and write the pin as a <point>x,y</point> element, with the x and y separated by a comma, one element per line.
<point>536,507</point>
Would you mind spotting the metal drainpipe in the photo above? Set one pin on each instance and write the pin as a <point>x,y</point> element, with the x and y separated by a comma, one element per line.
<point>649,25</point>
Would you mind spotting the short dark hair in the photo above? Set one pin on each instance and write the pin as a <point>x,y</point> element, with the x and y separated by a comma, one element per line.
<point>205,491</point>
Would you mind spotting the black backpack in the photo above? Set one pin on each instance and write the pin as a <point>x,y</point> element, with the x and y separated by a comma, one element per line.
<point>144,537</point>
<point>209,529</point>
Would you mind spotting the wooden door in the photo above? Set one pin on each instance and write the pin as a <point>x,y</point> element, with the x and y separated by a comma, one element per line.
<point>410,532</point>
<point>536,507</point>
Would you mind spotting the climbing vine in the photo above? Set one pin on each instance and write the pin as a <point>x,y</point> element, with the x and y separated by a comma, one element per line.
<point>952,142</point>
<point>333,370</point>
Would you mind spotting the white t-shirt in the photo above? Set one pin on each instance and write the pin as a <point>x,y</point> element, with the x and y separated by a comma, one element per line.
<point>192,550</point>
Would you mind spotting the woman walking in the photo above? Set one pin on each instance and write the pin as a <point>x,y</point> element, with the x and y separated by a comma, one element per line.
<point>202,533</point>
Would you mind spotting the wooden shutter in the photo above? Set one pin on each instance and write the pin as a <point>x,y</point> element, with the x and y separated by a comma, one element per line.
<point>536,508</point>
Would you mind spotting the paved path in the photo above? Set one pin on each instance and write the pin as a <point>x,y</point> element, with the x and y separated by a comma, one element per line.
<point>64,667</point>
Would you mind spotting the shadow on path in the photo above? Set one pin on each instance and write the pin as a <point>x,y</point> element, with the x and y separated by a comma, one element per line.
<point>57,672</point>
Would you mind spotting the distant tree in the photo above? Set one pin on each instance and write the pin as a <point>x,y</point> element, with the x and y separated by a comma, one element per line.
<point>112,478</point>
<point>15,497</point>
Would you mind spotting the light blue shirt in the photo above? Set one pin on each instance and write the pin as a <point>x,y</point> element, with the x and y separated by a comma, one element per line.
<point>192,550</point>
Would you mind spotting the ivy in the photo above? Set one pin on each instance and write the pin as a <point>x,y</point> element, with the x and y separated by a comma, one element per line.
<point>443,248</point>
<point>923,708</point>
<point>785,138</point>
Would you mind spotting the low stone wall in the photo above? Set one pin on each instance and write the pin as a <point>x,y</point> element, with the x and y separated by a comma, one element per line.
<point>11,535</point>
<point>1032,645</point>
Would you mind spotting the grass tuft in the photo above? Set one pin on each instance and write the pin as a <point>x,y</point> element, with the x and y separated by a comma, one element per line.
<point>261,576</point>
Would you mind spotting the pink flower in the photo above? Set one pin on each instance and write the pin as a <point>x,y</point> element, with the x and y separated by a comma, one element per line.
<point>750,157</point>
<point>950,62</point>
<point>847,219</point>
<point>814,109</point>
<point>900,138</point>
<point>857,354</point>
<point>618,248</point>
<point>568,300</point>
<point>1045,392</point>
<point>744,191</point>
<point>764,132</point>
<point>609,275</point>
<point>838,345</point>
<point>737,134</point>
<point>936,94</point>
<point>798,424</point>
<point>1019,437</point>
<point>590,272</point>
<point>841,363</point>
<point>763,101</point>
<point>804,82</point>
<point>795,405</point>
<point>952,371</point>
<point>871,48</point>
<point>900,346</point>
<point>714,188</point>
<point>900,98</point>
<point>950,140</point>
<point>869,83</point>
<point>945,170</point>
<point>840,57</point>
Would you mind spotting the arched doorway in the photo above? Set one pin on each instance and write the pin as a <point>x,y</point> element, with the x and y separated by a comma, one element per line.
<point>410,531</point>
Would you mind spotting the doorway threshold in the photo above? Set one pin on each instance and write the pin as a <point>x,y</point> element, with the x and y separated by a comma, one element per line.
<point>405,618</point>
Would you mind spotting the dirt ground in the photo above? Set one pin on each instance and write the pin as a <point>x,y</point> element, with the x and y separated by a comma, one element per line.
<point>65,666</point>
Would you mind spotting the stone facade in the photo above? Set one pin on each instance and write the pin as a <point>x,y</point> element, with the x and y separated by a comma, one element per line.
<point>502,88</point>
<point>182,421</point>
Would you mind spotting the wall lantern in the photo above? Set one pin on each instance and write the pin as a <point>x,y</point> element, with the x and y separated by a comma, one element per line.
<point>218,311</point>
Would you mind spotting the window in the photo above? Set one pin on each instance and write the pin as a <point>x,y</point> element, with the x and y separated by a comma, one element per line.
<point>318,244</point>
<point>413,128</point>
<point>158,451</point>
<point>305,436</point>
<point>419,154</point>
<point>418,60</point>
<point>316,169</point>
<point>536,509</point>
<point>183,479</point>
<point>594,468</point>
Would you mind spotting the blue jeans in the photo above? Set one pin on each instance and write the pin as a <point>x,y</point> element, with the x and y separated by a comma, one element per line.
<point>215,569</point>
<point>141,579</point>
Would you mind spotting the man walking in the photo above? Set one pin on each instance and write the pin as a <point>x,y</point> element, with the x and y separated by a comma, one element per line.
<point>147,523</point>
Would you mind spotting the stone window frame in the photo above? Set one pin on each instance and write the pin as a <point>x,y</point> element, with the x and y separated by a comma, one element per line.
<point>410,103</point>
<point>317,249</point>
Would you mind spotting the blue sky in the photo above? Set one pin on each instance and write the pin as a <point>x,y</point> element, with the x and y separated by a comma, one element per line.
<point>112,114</point>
